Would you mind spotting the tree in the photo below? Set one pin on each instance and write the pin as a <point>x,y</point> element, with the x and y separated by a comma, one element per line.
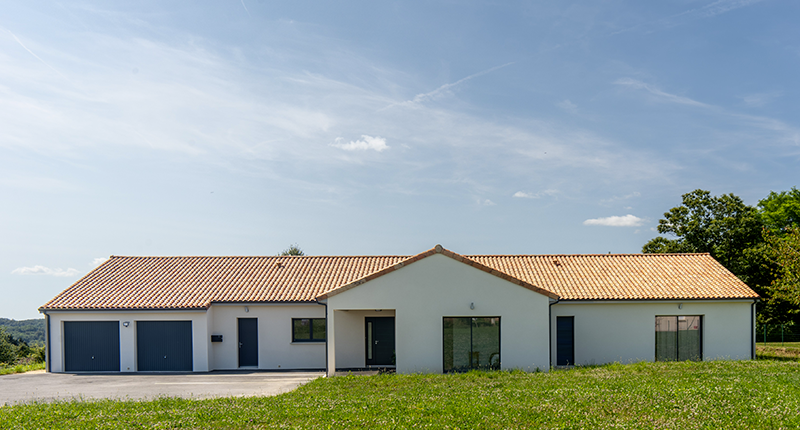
<point>784,251</point>
<point>8,351</point>
<point>779,210</point>
<point>291,250</point>
<point>723,226</point>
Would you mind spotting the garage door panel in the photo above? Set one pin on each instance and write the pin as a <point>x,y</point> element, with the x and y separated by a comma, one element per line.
<point>91,346</point>
<point>164,346</point>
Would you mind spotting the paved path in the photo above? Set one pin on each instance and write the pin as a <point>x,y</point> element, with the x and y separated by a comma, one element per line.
<point>41,386</point>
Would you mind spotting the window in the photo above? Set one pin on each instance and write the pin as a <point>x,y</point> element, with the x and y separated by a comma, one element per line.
<point>679,338</point>
<point>471,343</point>
<point>308,329</point>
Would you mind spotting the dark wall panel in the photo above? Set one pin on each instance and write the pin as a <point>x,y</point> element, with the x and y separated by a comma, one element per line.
<point>164,346</point>
<point>91,346</point>
<point>565,341</point>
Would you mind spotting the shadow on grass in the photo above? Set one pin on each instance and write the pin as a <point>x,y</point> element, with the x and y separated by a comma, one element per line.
<point>776,358</point>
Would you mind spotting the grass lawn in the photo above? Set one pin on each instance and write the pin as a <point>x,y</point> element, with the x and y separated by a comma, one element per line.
<point>20,368</point>
<point>713,395</point>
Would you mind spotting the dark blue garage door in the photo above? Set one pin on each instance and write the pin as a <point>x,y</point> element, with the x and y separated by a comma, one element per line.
<point>91,346</point>
<point>163,346</point>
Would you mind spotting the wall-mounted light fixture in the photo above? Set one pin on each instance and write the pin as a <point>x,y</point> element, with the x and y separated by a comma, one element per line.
<point>472,305</point>
<point>126,323</point>
<point>246,309</point>
<point>680,305</point>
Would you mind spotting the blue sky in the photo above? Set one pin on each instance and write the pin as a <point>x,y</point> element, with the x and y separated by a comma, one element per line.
<point>241,127</point>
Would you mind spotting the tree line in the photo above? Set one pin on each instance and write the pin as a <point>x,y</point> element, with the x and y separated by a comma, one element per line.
<point>16,351</point>
<point>759,244</point>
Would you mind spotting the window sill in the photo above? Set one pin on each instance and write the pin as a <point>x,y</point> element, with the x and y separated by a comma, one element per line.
<point>307,343</point>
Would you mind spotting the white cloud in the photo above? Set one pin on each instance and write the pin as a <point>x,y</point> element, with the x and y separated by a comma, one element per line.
<point>488,202</point>
<point>41,270</point>
<point>568,106</point>
<point>366,143</point>
<point>526,195</point>
<point>98,261</point>
<point>616,221</point>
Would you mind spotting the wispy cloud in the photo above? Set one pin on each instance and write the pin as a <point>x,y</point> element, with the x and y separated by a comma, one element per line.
<point>540,194</point>
<point>760,99</point>
<point>661,95</point>
<point>709,10</point>
<point>616,221</point>
<point>568,106</point>
<point>245,9</point>
<point>445,89</point>
<point>620,198</point>
<point>366,143</point>
<point>42,270</point>
<point>36,56</point>
<point>787,132</point>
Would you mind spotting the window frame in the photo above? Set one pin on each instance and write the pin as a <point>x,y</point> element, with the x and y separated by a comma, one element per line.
<point>310,331</point>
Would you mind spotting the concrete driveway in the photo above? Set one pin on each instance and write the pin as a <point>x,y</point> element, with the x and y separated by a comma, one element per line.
<point>41,386</point>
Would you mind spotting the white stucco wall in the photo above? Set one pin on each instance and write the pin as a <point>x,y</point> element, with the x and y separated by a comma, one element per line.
<point>275,347</point>
<point>424,292</point>
<point>625,331</point>
<point>127,335</point>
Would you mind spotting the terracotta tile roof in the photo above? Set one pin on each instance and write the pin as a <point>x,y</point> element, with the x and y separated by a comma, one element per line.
<point>197,282</point>
<point>624,276</point>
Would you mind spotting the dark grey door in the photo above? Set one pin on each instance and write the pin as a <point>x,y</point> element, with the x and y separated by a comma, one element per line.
<point>164,346</point>
<point>248,342</point>
<point>380,341</point>
<point>565,341</point>
<point>91,346</point>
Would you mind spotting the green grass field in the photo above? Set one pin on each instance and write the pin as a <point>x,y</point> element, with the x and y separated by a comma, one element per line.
<point>686,395</point>
<point>20,368</point>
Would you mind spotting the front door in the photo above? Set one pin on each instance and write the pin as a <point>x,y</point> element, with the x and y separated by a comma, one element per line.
<point>380,341</point>
<point>248,342</point>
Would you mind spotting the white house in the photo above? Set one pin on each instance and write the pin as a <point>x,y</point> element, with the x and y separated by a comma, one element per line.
<point>437,311</point>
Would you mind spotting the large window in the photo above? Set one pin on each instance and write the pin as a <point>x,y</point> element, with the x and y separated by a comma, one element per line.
<point>308,330</point>
<point>471,343</point>
<point>679,338</point>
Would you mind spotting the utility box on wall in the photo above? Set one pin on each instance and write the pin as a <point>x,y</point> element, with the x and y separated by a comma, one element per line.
<point>216,338</point>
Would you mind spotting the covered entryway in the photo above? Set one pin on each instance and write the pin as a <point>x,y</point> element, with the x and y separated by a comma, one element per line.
<point>379,341</point>
<point>164,346</point>
<point>91,346</point>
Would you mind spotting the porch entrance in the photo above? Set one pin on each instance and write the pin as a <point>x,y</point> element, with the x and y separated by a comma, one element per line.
<point>379,334</point>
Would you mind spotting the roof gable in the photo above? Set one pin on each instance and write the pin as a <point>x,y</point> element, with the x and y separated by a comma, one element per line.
<point>438,249</point>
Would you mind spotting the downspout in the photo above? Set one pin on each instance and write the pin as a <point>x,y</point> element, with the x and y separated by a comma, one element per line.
<point>46,341</point>
<point>550,331</point>
<point>753,330</point>
<point>326,337</point>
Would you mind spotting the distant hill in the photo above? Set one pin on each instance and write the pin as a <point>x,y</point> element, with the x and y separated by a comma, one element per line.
<point>31,331</point>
